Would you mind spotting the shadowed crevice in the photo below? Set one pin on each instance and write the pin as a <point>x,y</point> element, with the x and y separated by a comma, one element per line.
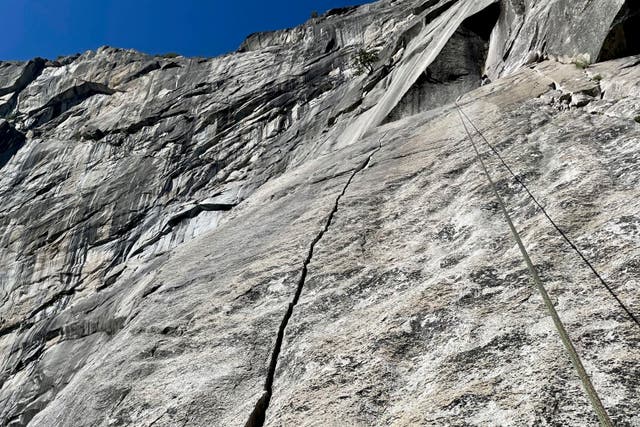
<point>68,99</point>
<point>183,216</point>
<point>11,141</point>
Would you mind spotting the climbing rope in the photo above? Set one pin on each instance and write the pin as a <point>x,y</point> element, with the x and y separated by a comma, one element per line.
<point>596,403</point>
<point>553,223</point>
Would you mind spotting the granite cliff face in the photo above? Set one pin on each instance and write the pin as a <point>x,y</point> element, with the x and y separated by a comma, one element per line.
<point>268,238</point>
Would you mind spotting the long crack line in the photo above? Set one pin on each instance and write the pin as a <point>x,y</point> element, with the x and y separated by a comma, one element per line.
<point>257,417</point>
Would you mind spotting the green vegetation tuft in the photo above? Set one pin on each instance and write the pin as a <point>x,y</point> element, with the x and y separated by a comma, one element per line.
<point>597,77</point>
<point>582,64</point>
<point>169,55</point>
<point>582,61</point>
<point>364,61</point>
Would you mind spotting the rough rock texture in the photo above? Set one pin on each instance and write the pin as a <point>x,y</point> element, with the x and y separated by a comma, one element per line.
<point>529,29</point>
<point>267,238</point>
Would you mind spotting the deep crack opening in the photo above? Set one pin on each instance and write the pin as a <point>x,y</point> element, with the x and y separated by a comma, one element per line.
<point>258,415</point>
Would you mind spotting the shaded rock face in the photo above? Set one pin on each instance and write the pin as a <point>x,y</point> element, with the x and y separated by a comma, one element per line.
<point>624,36</point>
<point>557,28</point>
<point>14,77</point>
<point>457,70</point>
<point>10,142</point>
<point>265,238</point>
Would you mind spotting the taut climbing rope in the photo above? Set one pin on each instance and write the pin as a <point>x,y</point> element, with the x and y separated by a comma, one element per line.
<point>596,403</point>
<point>553,223</point>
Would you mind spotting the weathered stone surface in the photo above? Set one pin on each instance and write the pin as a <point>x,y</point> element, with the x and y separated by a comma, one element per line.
<point>557,28</point>
<point>190,241</point>
<point>14,77</point>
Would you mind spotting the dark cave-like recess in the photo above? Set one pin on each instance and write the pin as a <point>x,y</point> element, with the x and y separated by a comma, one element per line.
<point>624,37</point>
<point>457,70</point>
<point>10,142</point>
<point>483,22</point>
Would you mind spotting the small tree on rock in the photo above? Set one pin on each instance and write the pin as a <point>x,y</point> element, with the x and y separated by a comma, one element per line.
<point>364,61</point>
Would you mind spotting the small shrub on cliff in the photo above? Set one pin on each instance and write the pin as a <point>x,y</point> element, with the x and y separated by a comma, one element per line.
<point>169,55</point>
<point>314,14</point>
<point>364,61</point>
<point>637,119</point>
<point>582,61</point>
<point>581,65</point>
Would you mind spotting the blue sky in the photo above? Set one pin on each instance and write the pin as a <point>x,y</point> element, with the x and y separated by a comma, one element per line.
<point>49,28</point>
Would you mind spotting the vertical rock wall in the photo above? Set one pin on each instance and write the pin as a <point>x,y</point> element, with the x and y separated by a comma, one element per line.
<point>167,224</point>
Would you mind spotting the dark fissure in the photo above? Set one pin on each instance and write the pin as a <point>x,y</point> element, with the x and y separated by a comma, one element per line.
<point>257,417</point>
